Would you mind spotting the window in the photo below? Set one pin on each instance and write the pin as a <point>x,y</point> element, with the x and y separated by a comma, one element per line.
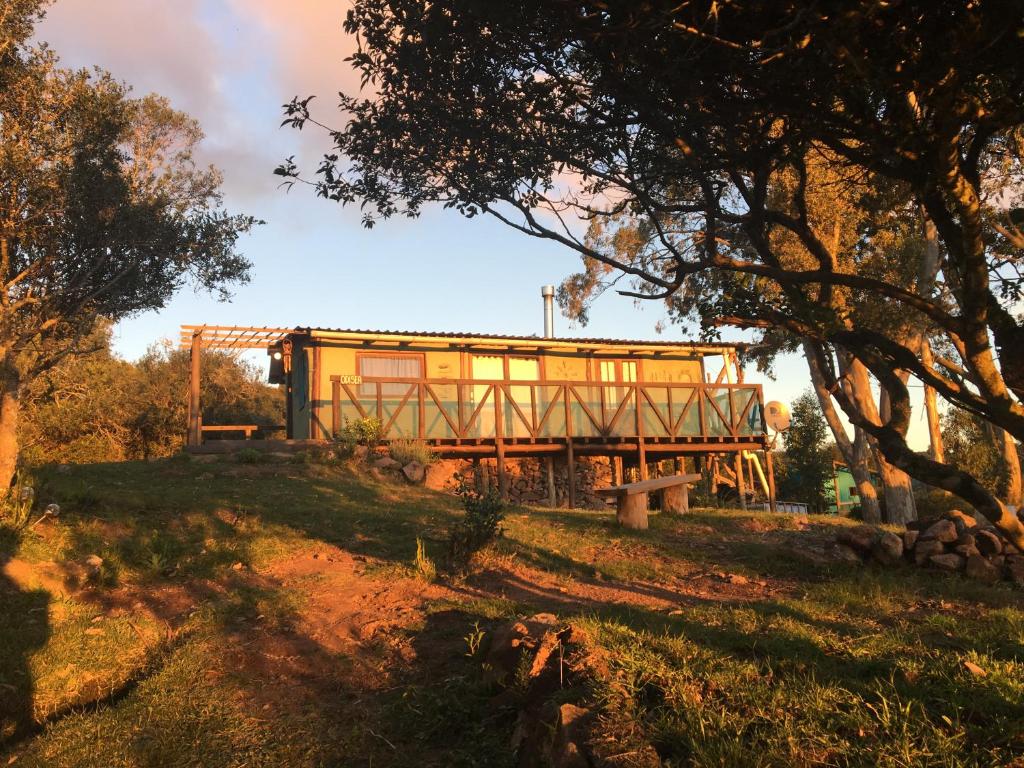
<point>388,367</point>
<point>617,371</point>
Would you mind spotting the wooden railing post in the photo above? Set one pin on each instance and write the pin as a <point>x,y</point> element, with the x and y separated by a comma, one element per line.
<point>499,443</point>
<point>570,458</point>
<point>335,406</point>
<point>421,418</point>
<point>641,449</point>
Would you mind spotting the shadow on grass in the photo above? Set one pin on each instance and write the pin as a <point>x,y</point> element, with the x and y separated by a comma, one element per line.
<point>24,628</point>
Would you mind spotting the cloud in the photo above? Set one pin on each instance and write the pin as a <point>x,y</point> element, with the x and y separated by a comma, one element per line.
<point>229,63</point>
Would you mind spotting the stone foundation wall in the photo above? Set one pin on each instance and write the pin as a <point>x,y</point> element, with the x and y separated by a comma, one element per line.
<point>528,478</point>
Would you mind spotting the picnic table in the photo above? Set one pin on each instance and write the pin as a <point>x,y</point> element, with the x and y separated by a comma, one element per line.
<point>631,498</point>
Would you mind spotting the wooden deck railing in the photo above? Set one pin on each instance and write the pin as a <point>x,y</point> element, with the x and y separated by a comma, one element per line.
<point>474,410</point>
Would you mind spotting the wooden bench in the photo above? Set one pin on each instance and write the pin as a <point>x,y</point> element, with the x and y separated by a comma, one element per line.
<point>631,498</point>
<point>246,429</point>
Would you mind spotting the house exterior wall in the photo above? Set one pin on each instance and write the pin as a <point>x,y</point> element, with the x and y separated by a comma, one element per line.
<point>318,360</point>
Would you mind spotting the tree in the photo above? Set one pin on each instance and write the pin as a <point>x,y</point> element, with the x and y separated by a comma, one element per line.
<point>807,461</point>
<point>95,407</point>
<point>104,212</point>
<point>234,392</point>
<point>688,115</point>
<point>974,443</point>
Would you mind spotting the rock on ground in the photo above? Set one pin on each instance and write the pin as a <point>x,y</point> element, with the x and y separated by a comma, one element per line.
<point>414,472</point>
<point>942,530</point>
<point>888,548</point>
<point>926,549</point>
<point>860,538</point>
<point>979,568</point>
<point>947,562</point>
<point>988,543</point>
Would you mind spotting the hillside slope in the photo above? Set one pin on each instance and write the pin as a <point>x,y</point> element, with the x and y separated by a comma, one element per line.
<point>224,614</point>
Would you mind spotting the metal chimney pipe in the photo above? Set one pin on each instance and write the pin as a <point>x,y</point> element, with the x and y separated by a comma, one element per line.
<point>548,292</point>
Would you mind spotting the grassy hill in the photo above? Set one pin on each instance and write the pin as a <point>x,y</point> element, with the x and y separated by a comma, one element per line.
<point>271,614</point>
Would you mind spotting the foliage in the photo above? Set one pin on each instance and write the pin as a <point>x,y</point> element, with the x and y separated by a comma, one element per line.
<point>104,212</point>
<point>478,527</point>
<point>249,456</point>
<point>368,431</point>
<point>422,564</point>
<point>971,442</point>
<point>17,503</point>
<point>762,165</point>
<point>404,451</point>
<point>806,466</point>
<point>96,407</point>
<point>234,392</point>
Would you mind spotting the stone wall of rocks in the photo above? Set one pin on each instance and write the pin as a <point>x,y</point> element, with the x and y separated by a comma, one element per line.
<point>528,478</point>
<point>956,542</point>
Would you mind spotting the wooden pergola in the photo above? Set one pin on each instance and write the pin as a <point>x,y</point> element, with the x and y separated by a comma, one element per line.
<point>196,338</point>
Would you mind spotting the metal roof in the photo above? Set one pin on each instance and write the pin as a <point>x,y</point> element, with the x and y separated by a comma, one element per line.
<point>235,337</point>
<point>525,340</point>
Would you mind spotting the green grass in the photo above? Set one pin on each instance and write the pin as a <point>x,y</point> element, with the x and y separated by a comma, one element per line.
<point>832,666</point>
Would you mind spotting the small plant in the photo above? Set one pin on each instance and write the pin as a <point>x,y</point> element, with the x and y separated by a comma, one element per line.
<point>479,527</point>
<point>249,456</point>
<point>423,565</point>
<point>405,451</point>
<point>16,506</point>
<point>368,432</point>
<point>474,640</point>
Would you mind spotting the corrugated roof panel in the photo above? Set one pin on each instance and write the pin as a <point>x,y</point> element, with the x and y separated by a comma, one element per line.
<point>526,339</point>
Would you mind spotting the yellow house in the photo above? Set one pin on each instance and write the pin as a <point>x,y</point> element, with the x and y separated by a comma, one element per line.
<point>493,396</point>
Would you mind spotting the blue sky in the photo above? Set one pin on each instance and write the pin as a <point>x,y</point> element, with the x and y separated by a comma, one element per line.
<point>231,64</point>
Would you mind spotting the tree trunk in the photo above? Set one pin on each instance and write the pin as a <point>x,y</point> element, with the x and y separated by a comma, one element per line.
<point>1011,460</point>
<point>10,406</point>
<point>900,507</point>
<point>931,406</point>
<point>856,454</point>
<point>871,510</point>
<point>897,489</point>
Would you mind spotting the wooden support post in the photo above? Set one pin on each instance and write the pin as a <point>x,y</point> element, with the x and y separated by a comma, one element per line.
<point>195,419</point>
<point>617,476</point>
<point>770,467</point>
<point>632,511</point>
<point>502,477</point>
<point>549,462</point>
<point>570,460</point>
<point>675,500</point>
<point>483,476</point>
<point>740,485</point>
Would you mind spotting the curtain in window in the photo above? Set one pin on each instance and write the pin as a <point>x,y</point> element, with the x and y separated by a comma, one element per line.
<point>389,367</point>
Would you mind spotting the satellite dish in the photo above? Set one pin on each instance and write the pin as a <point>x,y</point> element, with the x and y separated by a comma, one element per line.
<point>777,416</point>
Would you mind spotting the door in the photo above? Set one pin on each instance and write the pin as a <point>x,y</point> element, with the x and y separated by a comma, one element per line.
<point>622,372</point>
<point>521,369</point>
<point>485,368</point>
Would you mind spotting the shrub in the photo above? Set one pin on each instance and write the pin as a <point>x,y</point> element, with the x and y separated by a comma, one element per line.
<point>249,456</point>
<point>404,451</point>
<point>368,432</point>
<point>479,526</point>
